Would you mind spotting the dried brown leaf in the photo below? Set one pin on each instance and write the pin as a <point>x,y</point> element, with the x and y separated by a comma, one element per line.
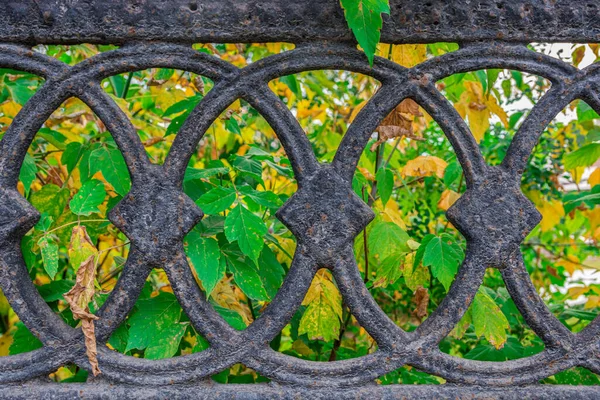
<point>399,123</point>
<point>422,301</point>
<point>78,299</point>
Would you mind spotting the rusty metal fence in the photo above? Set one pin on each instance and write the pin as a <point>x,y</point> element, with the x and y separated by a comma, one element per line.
<point>493,214</point>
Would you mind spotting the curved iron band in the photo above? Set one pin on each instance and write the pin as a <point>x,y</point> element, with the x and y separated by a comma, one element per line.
<point>566,74</point>
<point>63,83</point>
<point>79,81</point>
<point>14,277</point>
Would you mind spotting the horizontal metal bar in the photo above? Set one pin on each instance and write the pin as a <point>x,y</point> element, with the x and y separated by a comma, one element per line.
<point>267,391</point>
<point>119,21</point>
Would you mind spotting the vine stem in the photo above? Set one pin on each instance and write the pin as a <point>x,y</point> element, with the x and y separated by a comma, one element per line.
<point>73,223</point>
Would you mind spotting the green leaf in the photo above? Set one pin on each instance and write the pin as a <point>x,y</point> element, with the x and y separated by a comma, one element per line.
<point>53,137</point>
<point>247,278</point>
<point>185,105</point>
<point>118,340</point>
<point>385,184</point>
<point>19,90</point>
<point>88,198</point>
<point>452,173</point>
<point>421,250</point>
<point>364,18</point>
<point>164,74</point>
<point>216,200</point>
<point>582,157</point>
<point>270,271</point>
<point>205,255</point>
<point>248,166</point>
<point>387,239</point>
<point>167,344</point>
<point>245,228</point>
<point>72,155</point>
<point>585,113</point>
<point>231,317</point>
<point>110,162</point>
<point>488,319</point>
<point>265,198</point>
<point>292,83</point>
<point>23,340</point>
<point>193,173</point>
<point>54,290</point>
<point>27,174</point>
<point>388,271</point>
<point>444,255</point>
<point>153,319</point>
<point>49,250</point>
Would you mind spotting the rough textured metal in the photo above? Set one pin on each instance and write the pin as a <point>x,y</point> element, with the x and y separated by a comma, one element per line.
<point>324,214</point>
<point>117,21</point>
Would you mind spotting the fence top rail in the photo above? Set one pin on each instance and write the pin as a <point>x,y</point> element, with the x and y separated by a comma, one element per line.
<point>242,21</point>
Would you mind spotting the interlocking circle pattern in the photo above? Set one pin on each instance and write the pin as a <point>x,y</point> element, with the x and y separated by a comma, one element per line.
<point>493,215</point>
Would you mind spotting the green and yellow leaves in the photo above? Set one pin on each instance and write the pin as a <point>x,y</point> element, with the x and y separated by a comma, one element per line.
<point>155,326</point>
<point>443,255</point>
<point>321,319</point>
<point>364,18</point>
<point>487,319</point>
<point>248,230</point>
<point>88,198</point>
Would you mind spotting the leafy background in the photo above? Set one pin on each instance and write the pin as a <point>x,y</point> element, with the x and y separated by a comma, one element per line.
<point>240,175</point>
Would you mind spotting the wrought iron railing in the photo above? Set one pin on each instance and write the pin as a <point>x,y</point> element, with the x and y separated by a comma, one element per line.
<point>493,214</point>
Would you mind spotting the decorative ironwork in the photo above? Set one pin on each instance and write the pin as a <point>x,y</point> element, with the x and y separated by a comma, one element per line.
<point>493,214</point>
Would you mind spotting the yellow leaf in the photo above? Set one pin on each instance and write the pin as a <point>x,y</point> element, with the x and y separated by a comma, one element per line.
<point>409,55</point>
<point>594,178</point>
<point>448,198</point>
<point>391,212</point>
<point>577,291</point>
<point>552,212</point>
<point>322,317</point>
<point>5,341</point>
<point>571,264</point>
<point>592,302</point>
<point>322,285</point>
<point>10,109</point>
<point>356,110</point>
<point>228,296</point>
<point>425,166</point>
<point>577,174</point>
<point>477,108</point>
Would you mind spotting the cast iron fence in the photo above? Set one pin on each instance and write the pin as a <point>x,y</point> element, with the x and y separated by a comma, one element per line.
<point>324,215</point>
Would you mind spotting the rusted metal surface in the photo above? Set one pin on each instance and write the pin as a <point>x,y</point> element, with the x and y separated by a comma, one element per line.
<point>324,215</point>
<point>118,21</point>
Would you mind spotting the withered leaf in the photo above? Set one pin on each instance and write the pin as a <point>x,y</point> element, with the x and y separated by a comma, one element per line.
<point>79,298</point>
<point>399,123</point>
<point>422,301</point>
